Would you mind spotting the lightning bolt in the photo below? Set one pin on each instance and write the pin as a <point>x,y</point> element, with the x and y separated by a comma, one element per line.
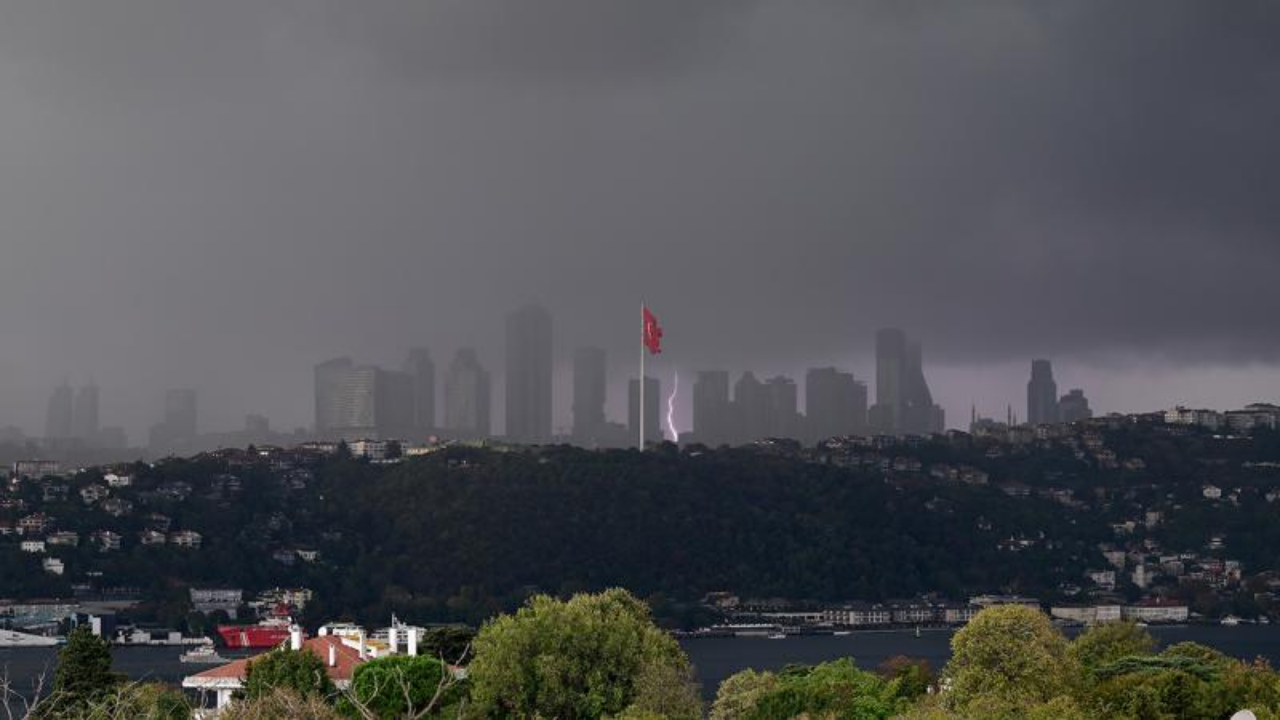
<point>671,410</point>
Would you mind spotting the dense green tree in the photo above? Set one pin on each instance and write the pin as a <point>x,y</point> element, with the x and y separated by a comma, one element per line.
<point>835,689</point>
<point>400,686</point>
<point>451,644</point>
<point>299,671</point>
<point>83,675</point>
<point>1108,642</point>
<point>740,693</point>
<point>584,658</point>
<point>1009,655</point>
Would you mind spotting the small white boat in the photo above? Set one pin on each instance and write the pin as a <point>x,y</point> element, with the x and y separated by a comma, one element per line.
<point>842,633</point>
<point>1231,621</point>
<point>202,655</point>
<point>777,636</point>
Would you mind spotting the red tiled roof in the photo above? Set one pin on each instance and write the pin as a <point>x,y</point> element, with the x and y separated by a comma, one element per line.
<point>348,659</point>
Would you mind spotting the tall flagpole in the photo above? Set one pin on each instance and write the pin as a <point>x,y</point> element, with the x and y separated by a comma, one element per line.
<point>641,398</point>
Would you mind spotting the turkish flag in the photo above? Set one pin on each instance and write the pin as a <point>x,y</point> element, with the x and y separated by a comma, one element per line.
<point>652,333</point>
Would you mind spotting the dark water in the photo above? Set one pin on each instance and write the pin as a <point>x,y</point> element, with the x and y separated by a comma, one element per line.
<point>718,658</point>
<point>714,658</point>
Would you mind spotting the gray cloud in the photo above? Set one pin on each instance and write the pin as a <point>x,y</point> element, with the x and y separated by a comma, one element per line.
<point>220,194</point>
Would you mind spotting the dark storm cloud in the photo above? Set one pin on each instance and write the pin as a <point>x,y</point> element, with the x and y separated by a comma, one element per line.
<point>221,194</point>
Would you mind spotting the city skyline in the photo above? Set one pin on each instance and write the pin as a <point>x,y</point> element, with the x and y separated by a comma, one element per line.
<point>779,180</point>
<point>391,401</point>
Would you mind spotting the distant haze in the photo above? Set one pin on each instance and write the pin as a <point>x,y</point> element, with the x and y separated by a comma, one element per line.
<point>221,194</point>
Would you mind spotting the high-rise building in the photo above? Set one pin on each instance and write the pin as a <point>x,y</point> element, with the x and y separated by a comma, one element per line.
<point>711,408</point>
<point>904,404</point>
<point>360,402</point>
<point>422,371</point>
<point>180,413</point>
<point>590,379</point>
<point>528,379</point>
<point>652,410</point>
<point>783,400</point>
<point>1042,394</point>
<point>85,420</point>
<point>177,431</point>
<point>466,396</point>
<point>751,404</point>
<point>891,362</point>
<point>395,408</point>
<point>835,404</point>
<point>332,410</point>
<point>1074,407</point>
<point>58,424</point>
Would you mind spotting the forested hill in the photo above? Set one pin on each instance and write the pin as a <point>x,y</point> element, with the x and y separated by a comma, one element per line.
<point>468,531</point>
<point>463,533</point>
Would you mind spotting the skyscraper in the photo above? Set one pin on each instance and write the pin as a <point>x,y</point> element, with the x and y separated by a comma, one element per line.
<point>466,396</point>
<point>85,419</point>
<point>653,412</point>
<point>58,425</point>
<point>177,431</point>
<point>356,402</point>
<point>751,403</point>
<point>332,410</point>
<point>528,379</point>
<point>1042,394</point>
<point>904,404</point>
<point>891,361</point>
<point>1074,407</point>
<point>422,372</point>
<point>783,400</point>
<point>711,408</point>
<point>835,404</point>
<point>180,413</point>
<point>590,378</point>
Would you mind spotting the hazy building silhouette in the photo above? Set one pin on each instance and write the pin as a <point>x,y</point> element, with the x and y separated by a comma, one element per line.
<point>835,404</point>
<point>529,375</point>
<point>330,383</point>
<point>921,416</point>
<point>1042,394</point>
<point>422,372</point>
<point>653,410</point>
<point>711,408</point>
<point>180,412</point>
<point>1074,407</point>
<point>355,402</point>
<point>783,419</point>
<point>58,423</point>
<point>590,382</point>
<point>86,423</point>
<point>466,396</point>
<point>176,433</point>
<point>891,362</point>
<point>751,404</point>
<point>395,405</point>
<point>904,404</point>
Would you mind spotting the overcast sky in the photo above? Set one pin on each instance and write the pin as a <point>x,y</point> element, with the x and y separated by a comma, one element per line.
<point>220,194</point>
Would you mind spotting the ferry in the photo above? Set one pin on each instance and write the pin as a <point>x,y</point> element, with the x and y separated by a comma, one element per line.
<point>13,638</point>
<point>269,633</point>
<point>202,655</point>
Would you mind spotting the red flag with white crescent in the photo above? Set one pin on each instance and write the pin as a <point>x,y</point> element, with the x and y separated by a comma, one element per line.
<point>652,333</point>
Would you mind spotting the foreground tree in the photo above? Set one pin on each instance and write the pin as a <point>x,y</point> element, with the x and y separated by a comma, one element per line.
<point>1009,656</point>
<point>400,686</point>
<point>740,693</point>
<point>296,670</point>
<point>1109,642</point>
<point>590,657</point>
<point>83,676</point>
<point>281,704</point>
